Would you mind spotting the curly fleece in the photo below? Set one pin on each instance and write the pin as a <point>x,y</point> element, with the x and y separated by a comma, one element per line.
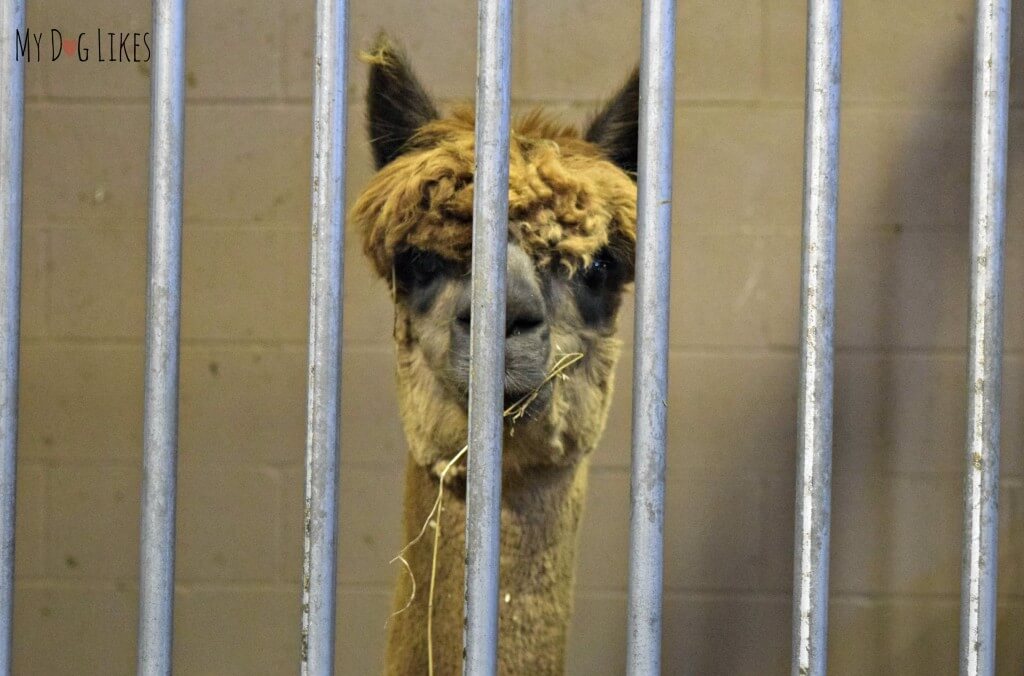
<point>566,202</point>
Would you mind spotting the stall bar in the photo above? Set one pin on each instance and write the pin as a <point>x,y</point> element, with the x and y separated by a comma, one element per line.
<point>650,345</point>
<point>12,109</point>
<point>163,320</point>
<point>325,317</point>
<point>487,335</point>
<point>988,219</point>
<point>817,323</point>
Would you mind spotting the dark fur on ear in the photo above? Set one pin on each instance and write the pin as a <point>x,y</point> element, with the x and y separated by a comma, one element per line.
<point>615,129</point>
<point>396,103</point>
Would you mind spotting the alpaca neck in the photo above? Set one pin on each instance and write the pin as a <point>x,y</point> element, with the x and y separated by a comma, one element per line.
<point>540,514</point>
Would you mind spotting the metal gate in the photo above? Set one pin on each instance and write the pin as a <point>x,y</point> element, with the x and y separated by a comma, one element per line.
<point>811,550</point>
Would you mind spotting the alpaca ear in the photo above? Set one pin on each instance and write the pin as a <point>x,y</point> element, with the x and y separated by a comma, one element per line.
<point>616,128</point>
<point>396,103</point>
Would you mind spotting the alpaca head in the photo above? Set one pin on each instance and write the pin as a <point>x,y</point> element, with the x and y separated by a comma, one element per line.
<point>572,226</point>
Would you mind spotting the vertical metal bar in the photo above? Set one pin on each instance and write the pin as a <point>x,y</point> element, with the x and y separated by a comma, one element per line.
<point>487,336</point>
<point>326,287</point>
<point>650,351</point>
<point>163,315</point>
<point>988,220</point>
<point>12,110</point>
<point>814,451</point>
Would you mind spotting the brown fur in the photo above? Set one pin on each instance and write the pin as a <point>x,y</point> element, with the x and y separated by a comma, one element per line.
<point>566,203</point>
<point>540,516</point>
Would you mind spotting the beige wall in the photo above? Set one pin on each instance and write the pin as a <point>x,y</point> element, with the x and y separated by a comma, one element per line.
<point>899,377</point>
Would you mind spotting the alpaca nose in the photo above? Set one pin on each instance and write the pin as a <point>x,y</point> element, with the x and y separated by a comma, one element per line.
<point>524,310</point>
<point>524,306</point>
<point>527,329</point>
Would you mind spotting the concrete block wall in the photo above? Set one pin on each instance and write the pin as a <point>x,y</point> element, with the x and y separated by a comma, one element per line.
<point>900,366</point>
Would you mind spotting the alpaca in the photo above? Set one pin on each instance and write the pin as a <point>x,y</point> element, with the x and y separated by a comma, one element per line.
<point>572,231</point>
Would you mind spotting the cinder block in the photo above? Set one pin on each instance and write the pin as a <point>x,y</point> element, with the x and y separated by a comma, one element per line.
<point>603,554</point>
<point>369,312</point>
<point>1012,421</point>
<point>718,50</point>
<point>905,169</point>
<point>102,153</point>
<point>597,635</point>
<point>1011,544</point>
<point>737,170</point>
<point>30,522</point>
<point>722,635</point>
<point>713,635</point>
<point>732,413</point>
<point>216,630</point>
<point>236,632</point>
<point>81,403</point>
<point>97,283</point>
<point>899,413</point>
<point>93,528</point>
<point>728,291</point>
<point>547,66</point>
<point>72,629</point>
<point>776,523</point>
<point>68,77</point>
<point>896,291</point>
<point>708,393</point>
<point>235,50</point>
<point>35,283</point>
<point>371,430</point>
<point>891,534</point>
<point>370,522</point>
<point>906,290</point>
<point>917,637</point>
<point>1013,297</point>
<point>901,339</point>
<point>1014,180</point>
<point>223,266</point>
<point>361,634</point>
<point>37,21</point>
<point>248,163</point>
<point>896,534</point>
<point>232,50</point>
<point>1009,646</point>
<point>785,51</point>
<point>228,528</point>
<point>242,406</point>
<point>615,446</point>
<point>890,52</point>
<point>712,533</point>
<point>446,67</point>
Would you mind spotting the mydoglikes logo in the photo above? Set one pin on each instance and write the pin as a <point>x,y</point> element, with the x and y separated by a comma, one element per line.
<point>101,47</point>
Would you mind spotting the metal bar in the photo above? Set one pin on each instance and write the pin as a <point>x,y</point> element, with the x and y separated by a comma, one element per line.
<point>326,287</point>
<point>988,221</point>
<point>163,320</point>
<point>814,446</point>
<point>12,111</point>
<point>487,336</point>
<point>650,351</point>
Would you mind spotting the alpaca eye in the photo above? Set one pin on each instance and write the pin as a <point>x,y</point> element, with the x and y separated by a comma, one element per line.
<point>600,269</point>
<point>415,268</point>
